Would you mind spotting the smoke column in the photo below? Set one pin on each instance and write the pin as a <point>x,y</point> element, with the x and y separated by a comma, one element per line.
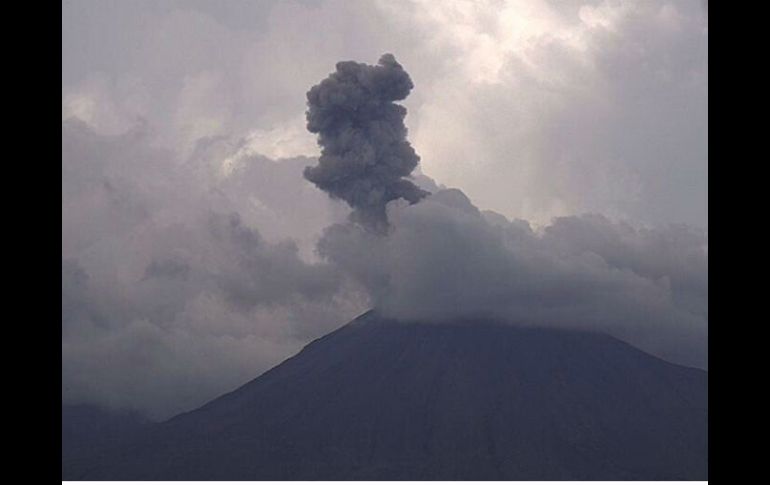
<point>365,154</point>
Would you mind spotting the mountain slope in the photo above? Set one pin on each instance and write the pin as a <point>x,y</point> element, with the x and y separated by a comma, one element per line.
<point>379,399</point>
<point>88,431</point>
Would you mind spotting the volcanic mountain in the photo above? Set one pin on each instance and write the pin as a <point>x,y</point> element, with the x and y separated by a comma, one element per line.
<point>384,400</point>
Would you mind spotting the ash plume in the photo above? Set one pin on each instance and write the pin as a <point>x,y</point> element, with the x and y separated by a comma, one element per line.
<point>365,154</point>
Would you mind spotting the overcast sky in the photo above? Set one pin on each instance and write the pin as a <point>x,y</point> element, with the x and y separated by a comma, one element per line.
<point>189,259</point>
<point>534,109</point>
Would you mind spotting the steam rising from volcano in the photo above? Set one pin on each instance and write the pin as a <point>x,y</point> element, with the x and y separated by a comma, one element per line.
<point>365,155</point>
<point>648,287</point>
<point>168,300</point>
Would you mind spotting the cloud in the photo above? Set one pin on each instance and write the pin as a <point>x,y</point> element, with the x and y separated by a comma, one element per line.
<point>533,109</point>
<point>365,156</point>
<point>542,109</point>
<point>444,261</point>
<point>171,294</point>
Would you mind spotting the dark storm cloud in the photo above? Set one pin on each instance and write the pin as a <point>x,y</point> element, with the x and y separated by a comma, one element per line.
<point>365,154</point>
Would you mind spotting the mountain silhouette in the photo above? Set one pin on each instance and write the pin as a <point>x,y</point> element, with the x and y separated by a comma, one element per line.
<point>384,400</point>
<point>88,432</point>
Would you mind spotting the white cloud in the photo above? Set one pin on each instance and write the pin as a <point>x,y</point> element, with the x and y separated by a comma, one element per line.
<point>444,262</point>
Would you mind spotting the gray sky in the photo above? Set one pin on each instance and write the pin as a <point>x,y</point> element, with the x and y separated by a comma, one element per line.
<point>534,109</point>
<point>189,260</point>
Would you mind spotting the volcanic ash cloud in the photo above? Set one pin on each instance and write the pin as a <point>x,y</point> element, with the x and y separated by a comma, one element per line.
<point>365,155</point>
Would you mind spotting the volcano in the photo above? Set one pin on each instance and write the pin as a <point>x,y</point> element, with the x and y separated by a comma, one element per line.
<point>384,400</point>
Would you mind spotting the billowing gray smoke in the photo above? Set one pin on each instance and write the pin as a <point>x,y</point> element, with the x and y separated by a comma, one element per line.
<point>365,155</point>
<point>444,260</point>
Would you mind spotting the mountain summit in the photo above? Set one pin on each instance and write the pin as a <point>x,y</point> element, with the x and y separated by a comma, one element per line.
<point>384,400</point>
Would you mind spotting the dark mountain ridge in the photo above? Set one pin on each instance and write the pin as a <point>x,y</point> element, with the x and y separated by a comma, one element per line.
<point>384,400</point>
